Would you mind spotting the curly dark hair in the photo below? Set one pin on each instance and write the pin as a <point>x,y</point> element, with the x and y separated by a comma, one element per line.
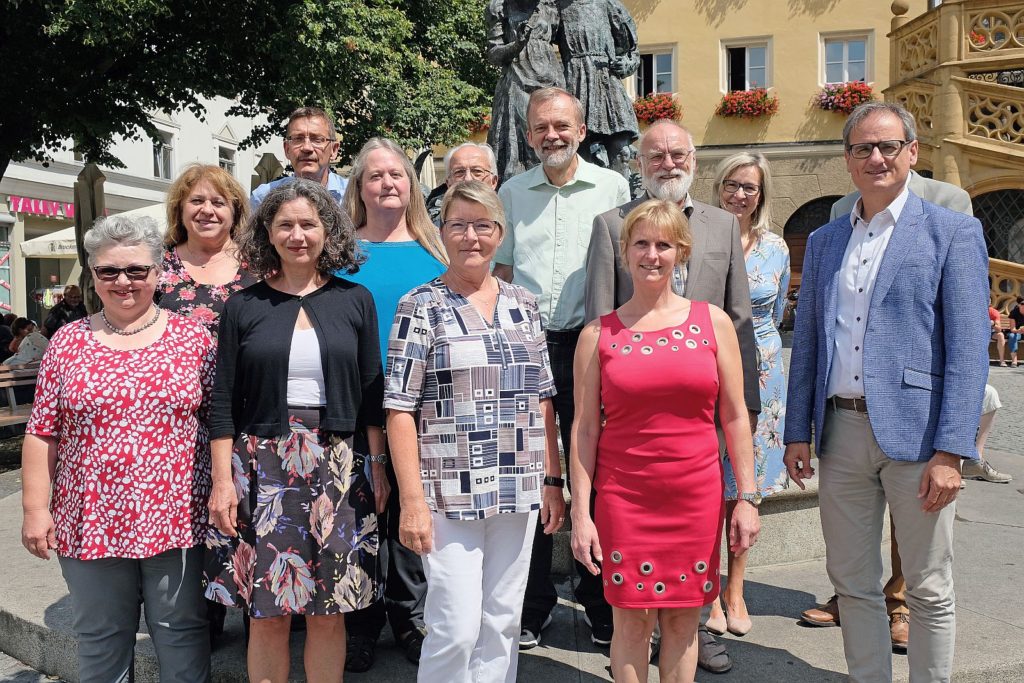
<point>340,250</point>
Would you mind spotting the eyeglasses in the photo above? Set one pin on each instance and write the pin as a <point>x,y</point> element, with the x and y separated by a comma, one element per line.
<point>749,189</point>
<point>111,273</point>
<point>318,141</point>
<point>476,172</point>
<point>887,148</point>
<point>678,157</point>
<point>483,228</point>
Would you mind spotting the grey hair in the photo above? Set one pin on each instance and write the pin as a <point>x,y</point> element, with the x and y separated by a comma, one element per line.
<point>863,111</point>
<point>340,251</point>
<point>542,95</point>
<point>487,149</point>
<point>475,192</point>
<point>761,219</point>
<point>125,231</point>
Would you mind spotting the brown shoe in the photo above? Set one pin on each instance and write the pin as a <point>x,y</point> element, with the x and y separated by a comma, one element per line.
<point>825,615</point>
<point>899,630</point>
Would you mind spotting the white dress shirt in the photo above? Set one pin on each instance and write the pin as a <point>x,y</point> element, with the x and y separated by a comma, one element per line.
<point>857,276</point>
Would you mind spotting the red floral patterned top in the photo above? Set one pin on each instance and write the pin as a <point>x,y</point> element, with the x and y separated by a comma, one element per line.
<point>181,294</point>
<point>133,462</point>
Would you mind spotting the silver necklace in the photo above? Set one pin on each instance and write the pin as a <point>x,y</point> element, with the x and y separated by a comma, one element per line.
<point>127,333</point>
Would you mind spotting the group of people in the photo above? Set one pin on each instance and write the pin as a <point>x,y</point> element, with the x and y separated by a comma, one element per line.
<point>314,402</point>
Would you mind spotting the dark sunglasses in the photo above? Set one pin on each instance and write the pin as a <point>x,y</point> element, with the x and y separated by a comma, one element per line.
<point>111,273</point>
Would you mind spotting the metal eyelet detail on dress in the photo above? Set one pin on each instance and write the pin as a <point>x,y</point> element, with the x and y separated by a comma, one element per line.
<point>694,329</point>
<point>708,586</point>
<point>678,334</point>
<point>675,348</point>
<point>626,350</point>
<point>682,578</point>
<point>639,586</point>
<point>705,342</point>
<point>616,556</point>
<point>659,588</point>
<point>691,343</point>
<point>638,337</point>
<point>615,345</point>
<point>662,341</point>
<point>617,579</point>
<point>700,567</point>
<point>647,350</point>
<point>646,568</point>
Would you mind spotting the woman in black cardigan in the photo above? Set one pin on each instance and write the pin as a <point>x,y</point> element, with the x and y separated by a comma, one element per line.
<point>295,424</point>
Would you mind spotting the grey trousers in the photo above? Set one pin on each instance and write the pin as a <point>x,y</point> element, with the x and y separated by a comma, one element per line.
<point>105,602</point>
<point>856,482</point>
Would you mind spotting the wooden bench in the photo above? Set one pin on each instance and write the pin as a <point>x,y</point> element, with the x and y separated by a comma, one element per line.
<point>10,377</point>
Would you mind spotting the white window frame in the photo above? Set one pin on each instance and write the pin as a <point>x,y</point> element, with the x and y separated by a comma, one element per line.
<point>654,51</point>
<point>867,35</point>
<point>163,168</point>
<point>754,41</point>
<point>227,162</point>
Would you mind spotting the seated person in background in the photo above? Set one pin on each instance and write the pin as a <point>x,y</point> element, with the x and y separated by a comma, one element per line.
<point>31,349</point>
<point>997,334</point>
<point>1012,337</point>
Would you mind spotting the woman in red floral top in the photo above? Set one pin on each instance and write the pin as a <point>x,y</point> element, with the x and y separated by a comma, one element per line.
<point>205,208</point>
<point>117,431</point>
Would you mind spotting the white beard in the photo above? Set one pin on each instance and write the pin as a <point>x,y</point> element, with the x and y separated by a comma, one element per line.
<point>671,190</point>
<point>562,157</point>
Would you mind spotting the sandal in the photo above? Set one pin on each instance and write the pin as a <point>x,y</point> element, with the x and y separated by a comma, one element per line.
<point>412,643</point>
<point>360,653</point>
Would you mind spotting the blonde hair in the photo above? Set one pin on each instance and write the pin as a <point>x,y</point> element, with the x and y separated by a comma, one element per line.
<point>666,217</point>
<point>761,219</point>
<point>417,220</point>
<point>222,182</point>
<point>475,192</point>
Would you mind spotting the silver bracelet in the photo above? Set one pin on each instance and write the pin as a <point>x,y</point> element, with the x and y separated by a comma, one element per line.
<point>382,458</point>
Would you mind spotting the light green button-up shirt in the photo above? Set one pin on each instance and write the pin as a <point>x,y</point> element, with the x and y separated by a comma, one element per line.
<point>548,232</point>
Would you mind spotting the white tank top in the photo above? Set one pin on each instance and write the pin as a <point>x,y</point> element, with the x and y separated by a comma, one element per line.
<point>305,373</point>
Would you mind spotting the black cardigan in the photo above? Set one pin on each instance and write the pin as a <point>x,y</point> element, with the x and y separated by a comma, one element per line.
<point>250,392</point>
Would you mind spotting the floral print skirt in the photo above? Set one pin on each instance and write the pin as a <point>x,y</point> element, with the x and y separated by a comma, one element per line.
<point>307,527</point>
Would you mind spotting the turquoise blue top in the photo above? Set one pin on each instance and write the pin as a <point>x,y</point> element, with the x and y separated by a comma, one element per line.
<point>391,270</point>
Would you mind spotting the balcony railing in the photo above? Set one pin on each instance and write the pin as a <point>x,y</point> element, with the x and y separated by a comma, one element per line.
<point>1006,283</point>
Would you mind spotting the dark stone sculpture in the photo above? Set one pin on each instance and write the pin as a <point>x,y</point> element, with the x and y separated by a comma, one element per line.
<point>521,35</point>
<point>598,46</point>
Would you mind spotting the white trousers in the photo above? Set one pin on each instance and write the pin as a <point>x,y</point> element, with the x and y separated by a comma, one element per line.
<point>856,481</point>
<point>476,578</point>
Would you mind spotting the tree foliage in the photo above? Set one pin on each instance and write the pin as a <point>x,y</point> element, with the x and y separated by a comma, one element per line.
<point>92,70</point>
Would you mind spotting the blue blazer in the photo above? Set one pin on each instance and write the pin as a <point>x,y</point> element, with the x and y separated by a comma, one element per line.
<point>926,342</point>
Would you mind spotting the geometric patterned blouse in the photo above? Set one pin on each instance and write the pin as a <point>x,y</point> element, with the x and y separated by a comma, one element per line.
<point>475,387</point>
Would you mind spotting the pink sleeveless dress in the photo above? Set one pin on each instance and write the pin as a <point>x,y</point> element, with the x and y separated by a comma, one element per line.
<point>660,506</point>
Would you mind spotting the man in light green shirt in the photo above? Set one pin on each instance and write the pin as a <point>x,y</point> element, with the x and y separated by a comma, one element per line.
<point>550,212</point>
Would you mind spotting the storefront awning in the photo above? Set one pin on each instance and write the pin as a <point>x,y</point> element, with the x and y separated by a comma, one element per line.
<point>61,244</point>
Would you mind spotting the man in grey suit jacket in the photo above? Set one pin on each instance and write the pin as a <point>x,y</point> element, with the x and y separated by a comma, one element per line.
<point>714,273</point>
<point>887,377</point>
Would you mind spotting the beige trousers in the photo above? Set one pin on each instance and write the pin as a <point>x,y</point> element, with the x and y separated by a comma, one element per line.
<point>856,482</point>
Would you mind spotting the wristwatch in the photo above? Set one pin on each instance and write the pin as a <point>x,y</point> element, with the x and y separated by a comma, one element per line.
<point>554,481</point>
<point>752,498</point>
<point>382,458</point>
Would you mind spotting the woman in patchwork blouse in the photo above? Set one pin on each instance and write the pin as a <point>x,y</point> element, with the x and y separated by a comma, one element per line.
<point>472,434</point>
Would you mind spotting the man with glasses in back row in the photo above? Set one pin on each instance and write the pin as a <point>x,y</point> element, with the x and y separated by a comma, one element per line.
<point>468,161</point>
<point>310,144</point>
<point>889,361</point>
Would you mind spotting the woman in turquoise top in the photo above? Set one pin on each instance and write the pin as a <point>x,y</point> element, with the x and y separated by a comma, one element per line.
<point>743,187</point>
<point>403,251</point>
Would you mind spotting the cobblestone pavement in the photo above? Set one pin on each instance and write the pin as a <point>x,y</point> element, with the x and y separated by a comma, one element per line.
<point>1009,382</point>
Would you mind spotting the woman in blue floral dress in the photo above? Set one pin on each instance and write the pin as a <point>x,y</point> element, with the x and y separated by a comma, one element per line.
<point>743,187</point>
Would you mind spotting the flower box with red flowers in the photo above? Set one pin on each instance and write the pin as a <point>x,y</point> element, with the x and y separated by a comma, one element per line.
<point>659,105</point>
<point>843,98</point>
<point>748,104</point>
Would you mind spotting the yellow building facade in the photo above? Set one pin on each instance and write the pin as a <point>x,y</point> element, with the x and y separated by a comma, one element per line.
<point>702,49</point>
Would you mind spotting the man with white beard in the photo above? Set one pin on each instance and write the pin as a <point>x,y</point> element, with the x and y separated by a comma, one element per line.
<point>549,211</point>
<point>714,273</point>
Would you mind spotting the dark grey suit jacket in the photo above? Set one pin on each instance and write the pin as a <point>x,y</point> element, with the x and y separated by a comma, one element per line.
<point>716,274</point>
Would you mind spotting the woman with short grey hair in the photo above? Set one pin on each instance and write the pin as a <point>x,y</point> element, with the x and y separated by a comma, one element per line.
<point>114,438</point>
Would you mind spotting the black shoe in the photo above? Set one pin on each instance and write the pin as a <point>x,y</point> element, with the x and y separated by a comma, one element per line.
<point>529,636</point>
<point>412,643</point>
<point>711,654</point>
<point>600,631</point>
<point>360,653</point>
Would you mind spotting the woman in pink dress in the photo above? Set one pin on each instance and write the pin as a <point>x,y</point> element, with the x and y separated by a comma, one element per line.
<point>656,368</point>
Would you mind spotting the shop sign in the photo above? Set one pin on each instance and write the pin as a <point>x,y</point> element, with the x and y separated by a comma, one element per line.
<point>41,207</point>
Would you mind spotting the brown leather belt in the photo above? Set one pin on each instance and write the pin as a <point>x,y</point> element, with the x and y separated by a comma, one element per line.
<point>857,404</point>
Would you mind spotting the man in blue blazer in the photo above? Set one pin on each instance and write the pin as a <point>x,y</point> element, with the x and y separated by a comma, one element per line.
<point>889,365</point>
